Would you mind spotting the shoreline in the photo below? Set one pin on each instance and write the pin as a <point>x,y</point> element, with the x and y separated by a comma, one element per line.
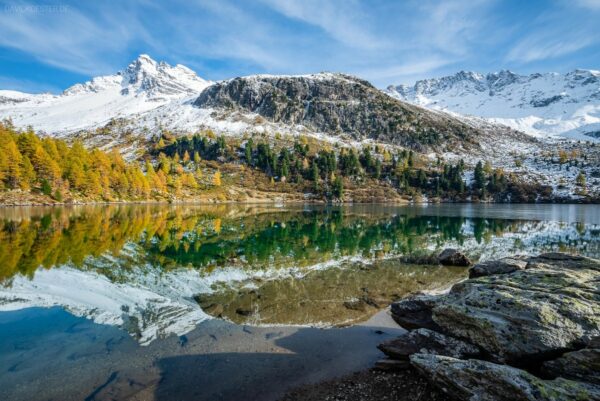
<point>480,342</point>
<point>277,202</point>
<point>217,360</point>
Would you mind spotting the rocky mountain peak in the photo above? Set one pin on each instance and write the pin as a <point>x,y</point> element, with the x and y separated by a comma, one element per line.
<point>501,79</point>
<point>335,104</point>
<point>146,77</point>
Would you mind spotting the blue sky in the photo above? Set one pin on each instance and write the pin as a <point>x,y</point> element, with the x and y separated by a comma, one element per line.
<point>50,45</point>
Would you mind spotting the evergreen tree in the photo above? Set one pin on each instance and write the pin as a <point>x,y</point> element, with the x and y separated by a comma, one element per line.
<point>338,188</point>
<point>46,188</point>
<point>377,173</point>
<point>580,180</point>
<point>248,152</point>
<point>479,180</point>
<point>314,176</point>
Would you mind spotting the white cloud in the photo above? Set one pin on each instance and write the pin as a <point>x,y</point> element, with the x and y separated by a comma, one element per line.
<point>67,38</point>
<point>589,4</point>
<point>556,33</point>
<point>343,20</point>
<point>541,48</point>
<point>27,86</point>
<point>393,74</point>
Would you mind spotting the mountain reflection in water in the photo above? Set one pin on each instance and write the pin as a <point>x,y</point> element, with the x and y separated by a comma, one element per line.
<point>155,270</point>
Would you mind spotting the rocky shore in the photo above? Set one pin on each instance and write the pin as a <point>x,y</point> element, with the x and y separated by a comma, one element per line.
<point>520,328</point>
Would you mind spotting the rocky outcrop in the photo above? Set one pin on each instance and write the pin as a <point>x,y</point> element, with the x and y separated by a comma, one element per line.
<point>502,266</point>
<point>425,341</point>
<point>528,316</point>
<point>582,365</point>
<point>453,257</point>
<point>415,312</point>
<point>480,380</point>
<point>338,104</point>
<point>550,308</point>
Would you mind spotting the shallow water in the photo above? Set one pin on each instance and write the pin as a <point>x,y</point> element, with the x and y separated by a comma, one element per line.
<point>210,302</point>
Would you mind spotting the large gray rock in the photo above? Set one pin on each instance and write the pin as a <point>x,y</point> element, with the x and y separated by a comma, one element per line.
<point>477,380</point>
<point>453,257</point>
<point>425,341</point>
<point>415,312</point>
<point>502,266</point>
<point>527,315</point>
<point>583,365</point>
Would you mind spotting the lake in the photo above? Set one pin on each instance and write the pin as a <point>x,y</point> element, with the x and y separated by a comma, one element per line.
<point>231,302</point>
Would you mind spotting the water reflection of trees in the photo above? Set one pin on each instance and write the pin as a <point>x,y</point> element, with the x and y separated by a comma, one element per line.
<point>208,237</point>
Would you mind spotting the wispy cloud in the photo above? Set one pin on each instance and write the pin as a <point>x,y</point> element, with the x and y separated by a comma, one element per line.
<point>453,26</point>
<point>385,42</point>
<point>66,37</point>
<point>27,86</point>
<point>557,33</point>
<point>540,47</point>
<point>589,4</point>
<point>391,74</point>
<point>344,20</point>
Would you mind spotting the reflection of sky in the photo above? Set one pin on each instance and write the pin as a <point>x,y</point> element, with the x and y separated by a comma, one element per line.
<point>150,290</point>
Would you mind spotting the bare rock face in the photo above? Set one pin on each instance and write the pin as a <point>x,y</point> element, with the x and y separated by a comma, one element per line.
<point>338,104</point>
<point>453,257</point>
<point>425,341</point>
<point>486,381</point>
<point>415,312</point>
<point>502,266</point>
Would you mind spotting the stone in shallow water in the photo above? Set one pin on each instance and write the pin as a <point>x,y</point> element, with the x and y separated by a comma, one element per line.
<point>425,341</point>
<point>390,365</point>
<point>453,257</point>
<point>486,381</point>
<point>415,312</point>
<point>501,266</point>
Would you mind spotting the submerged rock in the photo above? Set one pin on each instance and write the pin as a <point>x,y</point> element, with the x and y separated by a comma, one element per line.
<point>486,381</point>
<point>425,341</point>
<point>391,365</point>
<point>453,257</point>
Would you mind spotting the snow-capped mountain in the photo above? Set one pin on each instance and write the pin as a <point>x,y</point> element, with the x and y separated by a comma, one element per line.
<point>143,86</point>
<point>549,104</point>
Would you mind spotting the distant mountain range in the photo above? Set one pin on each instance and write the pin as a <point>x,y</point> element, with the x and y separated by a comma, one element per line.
<point>149,96</point>
<point>543,105</point>
<point>515,122</point>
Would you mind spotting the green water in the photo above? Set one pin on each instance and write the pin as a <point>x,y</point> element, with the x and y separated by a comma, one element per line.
<point>282,265</point>
<point>209,302</point>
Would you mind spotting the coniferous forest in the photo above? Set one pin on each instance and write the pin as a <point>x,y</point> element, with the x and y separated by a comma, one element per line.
<point>183,167</point>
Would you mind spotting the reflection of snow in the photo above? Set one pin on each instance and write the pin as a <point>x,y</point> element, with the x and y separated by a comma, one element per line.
<point>151,303</point>
<point>141,310</point>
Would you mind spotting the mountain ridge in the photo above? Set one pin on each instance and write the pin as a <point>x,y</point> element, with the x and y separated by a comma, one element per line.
<point>337,104</point>
<point>540,104</point>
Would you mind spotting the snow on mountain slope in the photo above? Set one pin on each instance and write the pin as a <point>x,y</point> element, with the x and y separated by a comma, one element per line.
<point>143,86</point>
<point>543,105</point>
